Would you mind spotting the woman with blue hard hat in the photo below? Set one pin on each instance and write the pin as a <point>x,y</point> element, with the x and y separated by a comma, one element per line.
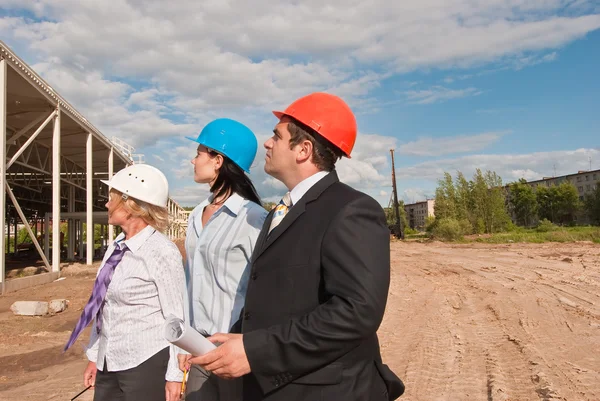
<point>221,234</point>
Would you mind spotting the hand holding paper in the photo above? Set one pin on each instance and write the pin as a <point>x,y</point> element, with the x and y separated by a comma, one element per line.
<point>185,337</point>
<point>229,360</point>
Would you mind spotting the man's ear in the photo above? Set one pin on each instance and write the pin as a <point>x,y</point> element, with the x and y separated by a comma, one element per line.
<point>305,151</point>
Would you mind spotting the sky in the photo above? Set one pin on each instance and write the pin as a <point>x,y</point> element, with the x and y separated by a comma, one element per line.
<point>510,86</point>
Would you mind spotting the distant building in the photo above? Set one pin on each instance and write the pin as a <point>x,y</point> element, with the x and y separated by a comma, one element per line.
<point>417,213</point>
<point>585,182</point>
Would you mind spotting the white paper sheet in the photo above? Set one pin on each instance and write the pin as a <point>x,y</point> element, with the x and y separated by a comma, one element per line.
<point>185,337</point>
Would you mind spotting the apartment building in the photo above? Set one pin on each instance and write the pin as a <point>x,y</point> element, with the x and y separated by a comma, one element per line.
<point>417,213</point>
<point>584,181</point>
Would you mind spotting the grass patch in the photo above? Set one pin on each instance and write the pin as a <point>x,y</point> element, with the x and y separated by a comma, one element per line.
<point>559,234</point>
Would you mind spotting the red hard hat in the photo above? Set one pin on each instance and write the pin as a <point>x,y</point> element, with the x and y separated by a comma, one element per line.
<point>328,115</point>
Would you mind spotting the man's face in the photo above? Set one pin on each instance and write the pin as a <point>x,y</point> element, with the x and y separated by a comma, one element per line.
<point>280,159</point>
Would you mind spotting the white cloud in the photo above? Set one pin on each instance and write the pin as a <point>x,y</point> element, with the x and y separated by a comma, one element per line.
<point>510,167</point>
<point>259,61</point>
<point>437,94</point>
<point>429,146</point>
<point>412,195</point>
<point>152,71</point>
<point>190,195</point>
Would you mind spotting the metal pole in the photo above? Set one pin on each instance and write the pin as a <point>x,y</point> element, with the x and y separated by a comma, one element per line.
<point>47,235</point>
<point>56,193</point>
<point>89,205</point>
<point>400,232</point>
<point>111,228</point>
<point>71,224</point>
<point>2,170</point>
<point>80,228</point>
<point>16,238</point>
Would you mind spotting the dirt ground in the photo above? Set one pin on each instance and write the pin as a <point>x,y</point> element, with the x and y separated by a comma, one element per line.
<point>464,322</point>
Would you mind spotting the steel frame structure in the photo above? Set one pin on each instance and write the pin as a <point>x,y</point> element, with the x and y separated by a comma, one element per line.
<point>51,162</point>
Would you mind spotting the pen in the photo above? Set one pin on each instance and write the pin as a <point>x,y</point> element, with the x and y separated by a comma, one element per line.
<point>86,389</point>
<point>182,394</point>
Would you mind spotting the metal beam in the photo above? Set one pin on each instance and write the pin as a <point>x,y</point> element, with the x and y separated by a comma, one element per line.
<point>2,169</point>
<point>89,201</point>
<point>26,128</point>
<point>31,139</point>
<point>24,220</point>
<point>56,193</point>
<point>39,170</point>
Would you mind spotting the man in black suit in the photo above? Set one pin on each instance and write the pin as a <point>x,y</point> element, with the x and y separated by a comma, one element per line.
<point>319,276</point>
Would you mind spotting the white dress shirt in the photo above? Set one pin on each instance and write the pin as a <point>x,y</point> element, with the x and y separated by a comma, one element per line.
<point>144,290</point>
<point>303,186</point>
<point>217,260</point>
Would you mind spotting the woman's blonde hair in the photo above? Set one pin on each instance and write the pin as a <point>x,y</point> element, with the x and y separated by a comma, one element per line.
<point>155,216</point>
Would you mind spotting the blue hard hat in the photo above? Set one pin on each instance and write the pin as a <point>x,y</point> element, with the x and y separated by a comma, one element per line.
<point>230,138</point>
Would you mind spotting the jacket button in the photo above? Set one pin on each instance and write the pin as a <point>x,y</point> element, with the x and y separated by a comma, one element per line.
<point>247,315</point>
<point>253,276</point>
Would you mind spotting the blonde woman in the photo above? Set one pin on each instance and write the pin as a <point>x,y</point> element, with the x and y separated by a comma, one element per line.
<point>138,285</point>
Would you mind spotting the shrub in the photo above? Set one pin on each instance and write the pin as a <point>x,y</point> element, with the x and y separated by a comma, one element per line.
<point>447,230</point>
<point>466,227</point>
<point>430,223</point>
<point>410,231</point>
<point>545,226</point>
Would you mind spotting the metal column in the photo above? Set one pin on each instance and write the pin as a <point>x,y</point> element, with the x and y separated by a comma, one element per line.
<point>71,225</point>
<point>89,214</point>
<point>2,170</point>
<point>111,229</point>
<point>56,193</point>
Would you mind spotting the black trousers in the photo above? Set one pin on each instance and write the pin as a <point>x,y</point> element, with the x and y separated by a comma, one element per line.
<point>145,382</point>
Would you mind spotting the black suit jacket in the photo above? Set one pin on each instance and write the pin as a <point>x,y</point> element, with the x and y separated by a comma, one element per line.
<point>316,297</point>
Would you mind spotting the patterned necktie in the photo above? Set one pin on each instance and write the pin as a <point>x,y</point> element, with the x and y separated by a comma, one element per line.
<point>96,301</point>
<point>280,211</point>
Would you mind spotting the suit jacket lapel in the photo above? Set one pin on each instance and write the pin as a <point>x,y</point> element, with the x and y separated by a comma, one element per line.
<point>260,241</point>
<point>296,211</point>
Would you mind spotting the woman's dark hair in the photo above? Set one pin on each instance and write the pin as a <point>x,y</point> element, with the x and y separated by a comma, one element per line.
<point>232,179</point>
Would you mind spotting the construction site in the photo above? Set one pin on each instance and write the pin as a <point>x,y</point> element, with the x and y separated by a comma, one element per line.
<point>463,321</point>
<point>54,161</point>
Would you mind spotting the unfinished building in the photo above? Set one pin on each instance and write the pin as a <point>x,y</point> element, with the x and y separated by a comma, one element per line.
<point>52,162</point>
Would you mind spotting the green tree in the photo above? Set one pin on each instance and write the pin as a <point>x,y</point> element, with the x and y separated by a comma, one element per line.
<point>463,197</point>
<point>445,198</point>
<point>592,205</point>
<point>546,200</point>
<point>489,202</point>
<point>390,216</point>
<point>524,202</point>
<point>568,203</point>
<point>464,204</point>
<point>559,204</point>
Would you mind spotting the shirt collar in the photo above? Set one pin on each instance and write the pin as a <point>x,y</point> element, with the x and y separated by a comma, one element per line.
<point>134,243</point>
<point>234,203</point>
<point>302,188</point>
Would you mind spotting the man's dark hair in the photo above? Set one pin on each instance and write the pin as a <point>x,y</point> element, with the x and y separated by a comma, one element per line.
<point>324,154</point>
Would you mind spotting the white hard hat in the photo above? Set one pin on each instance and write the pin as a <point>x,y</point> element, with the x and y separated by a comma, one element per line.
<point>143,182</point>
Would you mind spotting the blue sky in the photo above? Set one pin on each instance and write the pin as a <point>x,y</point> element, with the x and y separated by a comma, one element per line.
<point>505,85</point>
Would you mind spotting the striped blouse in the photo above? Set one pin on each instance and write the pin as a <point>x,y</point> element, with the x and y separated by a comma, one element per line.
<point>144,290</point>
<point>217,261</point>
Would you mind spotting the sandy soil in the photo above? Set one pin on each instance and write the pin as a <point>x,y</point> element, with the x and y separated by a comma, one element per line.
<point>464,322</point>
